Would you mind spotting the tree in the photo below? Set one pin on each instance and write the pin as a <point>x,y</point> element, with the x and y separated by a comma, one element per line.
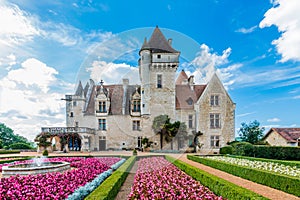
<point>162,125</point>
<point>8,137</point>
<point>251,132</point>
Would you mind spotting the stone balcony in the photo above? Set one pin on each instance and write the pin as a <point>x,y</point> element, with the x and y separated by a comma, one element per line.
<point>67,130</point>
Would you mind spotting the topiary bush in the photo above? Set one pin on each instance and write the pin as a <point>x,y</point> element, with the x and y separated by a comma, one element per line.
<point>226,150</point>
<point>45,152</point>
<point>243,149</point>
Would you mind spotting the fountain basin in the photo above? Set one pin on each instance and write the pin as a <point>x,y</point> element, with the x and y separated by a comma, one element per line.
<point>29,168</point>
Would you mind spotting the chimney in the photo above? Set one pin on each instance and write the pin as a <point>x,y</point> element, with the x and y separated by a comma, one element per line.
<point>125,84</point>
<point>170,41</point>
<point>125,81</point>
<point>191,82</point>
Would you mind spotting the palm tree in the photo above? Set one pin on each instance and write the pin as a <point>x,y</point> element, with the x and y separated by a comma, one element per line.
<point>161,125</point>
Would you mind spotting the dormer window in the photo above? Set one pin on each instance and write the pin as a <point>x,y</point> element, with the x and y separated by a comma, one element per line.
<point>102,106</point>
<point>136,106</point>
<point>190,101</point>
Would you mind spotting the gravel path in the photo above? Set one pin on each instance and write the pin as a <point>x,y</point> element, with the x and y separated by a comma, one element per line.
<point>126,187</point>
<point>265,191</point>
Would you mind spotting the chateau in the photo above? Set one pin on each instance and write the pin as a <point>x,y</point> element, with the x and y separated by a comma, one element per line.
<point>114,117</point>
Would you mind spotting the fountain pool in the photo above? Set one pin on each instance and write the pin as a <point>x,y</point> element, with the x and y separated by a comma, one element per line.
<point>33,168</point>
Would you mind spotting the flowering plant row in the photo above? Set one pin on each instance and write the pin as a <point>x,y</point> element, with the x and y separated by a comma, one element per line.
<point>156,178</point>
<point>56,185</point>
<point>83,191</point>
<point>267,166</point>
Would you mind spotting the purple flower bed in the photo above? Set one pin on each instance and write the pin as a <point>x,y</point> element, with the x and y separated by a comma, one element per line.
<point>55,185</point>
<point>156,178</point>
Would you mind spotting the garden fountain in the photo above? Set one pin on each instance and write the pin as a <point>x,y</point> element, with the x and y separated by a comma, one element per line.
<point>38,166</point>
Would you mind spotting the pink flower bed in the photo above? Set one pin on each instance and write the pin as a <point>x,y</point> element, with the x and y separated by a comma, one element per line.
<point>156,178</point>
<point>54,185</point>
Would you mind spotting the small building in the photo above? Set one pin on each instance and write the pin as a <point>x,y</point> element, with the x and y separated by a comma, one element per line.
<point>283,137</point>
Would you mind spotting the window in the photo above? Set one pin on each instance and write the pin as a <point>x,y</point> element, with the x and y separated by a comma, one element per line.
<point>76,124</point>
<point>136,106</point>
<point>102,124</point>
<point>159,81</point>
<point>190,121</point>
<point>214,100</point>
<point>215,141</point>
<point>215,121</point>
<point>159,56</point>
<point>74,103</point>
<point>190,101</point>
<point>136,125</point>
<point>102,106</point>
<point>71,114</point>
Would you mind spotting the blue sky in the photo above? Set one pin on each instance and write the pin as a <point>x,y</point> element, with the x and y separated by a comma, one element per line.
<point>47,46</point>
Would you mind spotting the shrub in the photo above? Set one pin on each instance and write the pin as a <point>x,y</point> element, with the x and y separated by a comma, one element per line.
<point>217,185</point>
<point>226,150</point>
<point>243,149</point>
<point>280,182</point>
<point>45,152</point>
<point>20,145</point>
<point>134,153</point>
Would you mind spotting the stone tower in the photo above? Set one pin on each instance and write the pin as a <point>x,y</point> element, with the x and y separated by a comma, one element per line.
<point>157,65</point>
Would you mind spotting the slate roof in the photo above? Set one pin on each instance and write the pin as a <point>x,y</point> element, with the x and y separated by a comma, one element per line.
<point>158,43</point>
<point>289,134</point>
<point>79,90</point>
<point>116,95</point>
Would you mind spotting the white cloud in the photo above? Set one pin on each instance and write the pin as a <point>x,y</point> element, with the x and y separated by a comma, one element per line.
<point>17,26</point>
<point>112,73</point>
<point>286,16</point>
<point>275,119</point>
<point>245,114</point>
<point>33,72</point>
<point>246,30</point>
<point>206,62</point>
<point>27,101</point>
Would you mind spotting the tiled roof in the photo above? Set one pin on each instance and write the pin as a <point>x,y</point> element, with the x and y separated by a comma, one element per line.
<point>158,43</point>
<point>290,134</point>
<point>184,95</point>
<point>181,77</point>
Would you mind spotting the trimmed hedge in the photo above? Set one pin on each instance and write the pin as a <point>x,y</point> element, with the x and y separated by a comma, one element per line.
<point>217,185</point>
<point>111,186</point>
<point>277,181</point>
<point>9,151</point>
<point>276,152</point>
<point>15,159</point>
<point>264,151</point>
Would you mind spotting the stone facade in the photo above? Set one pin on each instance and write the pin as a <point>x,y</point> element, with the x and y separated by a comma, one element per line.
<point>122,115</point>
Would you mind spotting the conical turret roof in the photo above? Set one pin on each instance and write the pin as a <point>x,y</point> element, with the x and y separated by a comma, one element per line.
<point>158,43</point>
